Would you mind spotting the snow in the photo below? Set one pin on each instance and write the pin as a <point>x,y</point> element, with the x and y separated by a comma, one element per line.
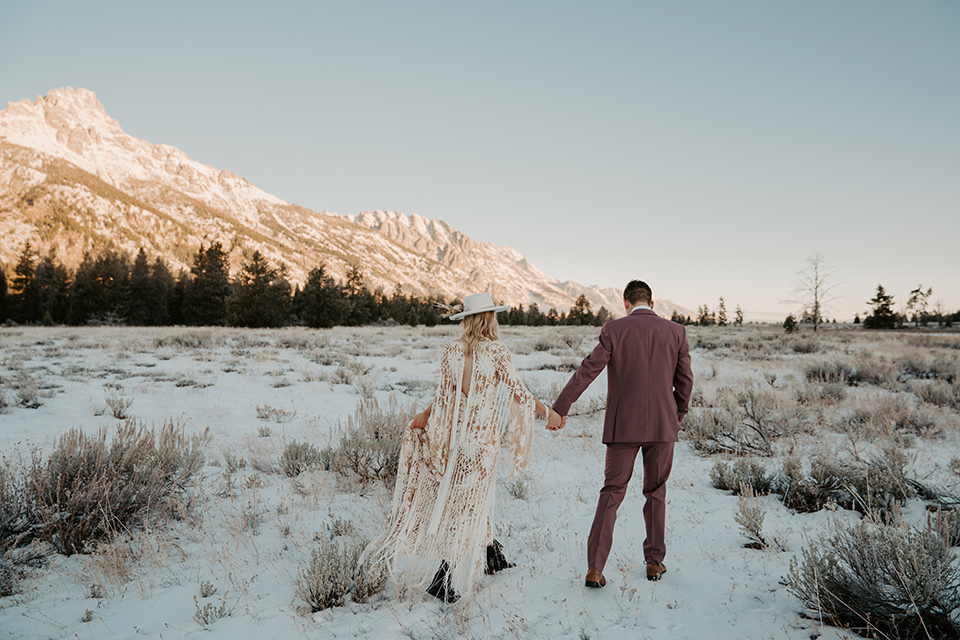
<point>714,588</point>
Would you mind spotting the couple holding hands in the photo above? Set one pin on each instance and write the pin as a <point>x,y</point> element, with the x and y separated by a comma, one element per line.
<point>443,502</point>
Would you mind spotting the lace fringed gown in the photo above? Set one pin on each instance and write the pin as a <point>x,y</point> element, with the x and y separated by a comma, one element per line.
<point>443,502</point>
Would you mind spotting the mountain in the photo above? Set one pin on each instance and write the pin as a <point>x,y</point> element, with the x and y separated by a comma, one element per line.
<point>72,180</point>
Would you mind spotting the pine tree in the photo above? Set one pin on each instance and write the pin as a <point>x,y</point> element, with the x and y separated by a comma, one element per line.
<point>101,289</point>
<point>721,313</point>
<point>362,305</point>
<point>23,290</point>
<point>603,316</point>
<point>321,303</point>
<point>515,315</point>
<point>177,299</point>
<point>883,315</point>
<point>856,319</point>
<point>261,295</point>
<point>738,317</point>
<point>581,313</point>
<point>790,324</point>
<point>3,295</point>
<point>705,317</point>
<point>52,283</point>
<point>535,317</point>
<point>205,298</point>
<point>141,292</point>
<point>161,285</point>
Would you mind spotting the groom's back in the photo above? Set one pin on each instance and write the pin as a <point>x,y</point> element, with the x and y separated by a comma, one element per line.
<point>648,357</point>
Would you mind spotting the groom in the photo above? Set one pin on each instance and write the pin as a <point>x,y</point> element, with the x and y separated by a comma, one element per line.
<point>649,382</point>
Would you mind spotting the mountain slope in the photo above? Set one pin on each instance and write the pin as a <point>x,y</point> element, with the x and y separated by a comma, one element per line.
<point>71,179</point>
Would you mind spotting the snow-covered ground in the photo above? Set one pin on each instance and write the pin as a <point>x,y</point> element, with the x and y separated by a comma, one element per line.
<point>251,537</point>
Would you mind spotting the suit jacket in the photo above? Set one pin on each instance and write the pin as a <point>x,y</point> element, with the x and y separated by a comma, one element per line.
<point>649,379</point>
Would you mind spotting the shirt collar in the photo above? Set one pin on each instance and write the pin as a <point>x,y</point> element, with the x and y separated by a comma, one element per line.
<point>641,306</point>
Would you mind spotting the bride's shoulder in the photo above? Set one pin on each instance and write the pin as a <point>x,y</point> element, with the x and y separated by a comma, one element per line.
<point>452,346</point>
<point>495,346</point>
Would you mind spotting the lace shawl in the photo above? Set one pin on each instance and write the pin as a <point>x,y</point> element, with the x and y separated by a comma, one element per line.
<point>444,497</point>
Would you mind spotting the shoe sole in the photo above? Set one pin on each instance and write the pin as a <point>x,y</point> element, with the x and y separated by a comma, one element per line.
<point>594,585</point>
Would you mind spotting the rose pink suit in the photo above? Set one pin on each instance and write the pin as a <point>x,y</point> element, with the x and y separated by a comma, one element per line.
<point>649,382</point>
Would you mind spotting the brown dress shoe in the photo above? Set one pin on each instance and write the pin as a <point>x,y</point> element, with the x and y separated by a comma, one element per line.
<point>655,570</point>
<point>595,579</point>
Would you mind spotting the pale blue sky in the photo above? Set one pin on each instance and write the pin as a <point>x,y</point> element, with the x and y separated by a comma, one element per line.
<point>706,147</point>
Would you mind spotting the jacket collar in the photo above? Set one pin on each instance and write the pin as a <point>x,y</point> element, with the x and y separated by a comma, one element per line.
<point>638,312</point>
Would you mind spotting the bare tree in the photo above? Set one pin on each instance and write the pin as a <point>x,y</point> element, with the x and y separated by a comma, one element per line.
<point>919,299</point>
<point>814,288</point>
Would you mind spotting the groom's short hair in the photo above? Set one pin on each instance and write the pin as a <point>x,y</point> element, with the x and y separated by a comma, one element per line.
<point>637,292</point>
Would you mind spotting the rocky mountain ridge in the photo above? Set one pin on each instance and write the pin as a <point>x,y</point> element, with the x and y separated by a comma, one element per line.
<point>71,179</point>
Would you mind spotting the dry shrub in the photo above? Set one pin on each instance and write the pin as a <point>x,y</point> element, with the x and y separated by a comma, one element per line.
<point>749,516</point>
<point>266,412</point>
<point>185,341</point>
<point>746,423</point>
<point>954,465</point>
<point>939,393</point>
<point>333,573</point>
<point>300,456</point>
<point>369,447</point>
<point>128,557</point>
<point>913,366</point>
<point>876,371</point>
<point>742,473</point>
<point>89,488</point>
<point>828,393</point>
<point>890,415</point>
<point>805,346</point>
<point>8,577</point>
<point>879,485</point>
<point>881,581</point>
<point>28,392</point>
<point>806,494</point>
<point>118,403</point>
<point>827,371</point>
<point>946,522</point>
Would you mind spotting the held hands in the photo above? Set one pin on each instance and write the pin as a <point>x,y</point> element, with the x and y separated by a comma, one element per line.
<point>554,421</point>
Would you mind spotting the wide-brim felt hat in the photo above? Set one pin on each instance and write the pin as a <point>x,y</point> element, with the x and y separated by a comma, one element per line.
<point>478,303</point>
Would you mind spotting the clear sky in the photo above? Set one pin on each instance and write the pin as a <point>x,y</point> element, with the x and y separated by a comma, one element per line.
<point>707,147</point>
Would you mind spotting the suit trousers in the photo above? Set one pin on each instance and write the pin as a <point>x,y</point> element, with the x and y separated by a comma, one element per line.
<point>657,463</point>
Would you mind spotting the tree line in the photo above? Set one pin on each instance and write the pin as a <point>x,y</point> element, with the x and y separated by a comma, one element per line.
<point>917,309</point>
<point>109,288</point>
<point>707,317</point>
<point>882,313</point>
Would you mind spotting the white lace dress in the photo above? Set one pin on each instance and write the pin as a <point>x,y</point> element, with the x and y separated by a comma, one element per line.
<point>443,501</point>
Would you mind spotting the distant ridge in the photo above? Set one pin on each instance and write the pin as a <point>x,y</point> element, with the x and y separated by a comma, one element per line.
<point>73,180</point>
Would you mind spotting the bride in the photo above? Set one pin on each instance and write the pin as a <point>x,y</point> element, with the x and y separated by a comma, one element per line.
<point>443,502</point>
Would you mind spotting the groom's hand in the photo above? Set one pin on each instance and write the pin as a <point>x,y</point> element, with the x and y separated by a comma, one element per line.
<point>554,421</point>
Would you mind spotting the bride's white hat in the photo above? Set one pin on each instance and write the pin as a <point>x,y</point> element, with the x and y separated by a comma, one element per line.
<point>478,303</point>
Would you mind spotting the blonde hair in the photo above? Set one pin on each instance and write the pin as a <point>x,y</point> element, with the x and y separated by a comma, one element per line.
<point>478,327</point>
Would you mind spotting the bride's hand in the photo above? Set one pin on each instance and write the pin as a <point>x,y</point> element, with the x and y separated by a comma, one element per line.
<point>555,421</point>
<point>420,420</point>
